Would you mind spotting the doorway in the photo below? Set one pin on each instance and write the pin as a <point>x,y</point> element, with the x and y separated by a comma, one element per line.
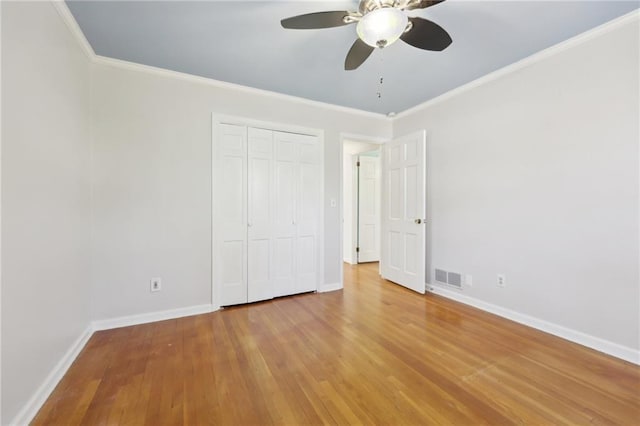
<point>361,202</point>
<point>367,217</point>
<point>402,190</point>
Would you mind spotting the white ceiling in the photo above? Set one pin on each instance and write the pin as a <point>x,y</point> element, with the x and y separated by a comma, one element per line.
<point>242,42</point>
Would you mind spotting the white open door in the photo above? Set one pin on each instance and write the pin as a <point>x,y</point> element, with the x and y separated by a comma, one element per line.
<point>368,213</point>
<point>403,211</point>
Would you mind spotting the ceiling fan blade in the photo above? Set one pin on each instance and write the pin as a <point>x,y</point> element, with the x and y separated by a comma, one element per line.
<point>317,20</point>
<point>426,35</point>
<point>422,4</point>
<point>358,53</point>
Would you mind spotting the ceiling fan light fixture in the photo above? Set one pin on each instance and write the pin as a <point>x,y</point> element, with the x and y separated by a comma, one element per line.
<point>382,27</point>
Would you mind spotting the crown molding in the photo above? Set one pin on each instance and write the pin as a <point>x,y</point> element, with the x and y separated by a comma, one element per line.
<point>66,15</point>
<point>73,26</point>
<point>132,66</point>
<point>526,62</point>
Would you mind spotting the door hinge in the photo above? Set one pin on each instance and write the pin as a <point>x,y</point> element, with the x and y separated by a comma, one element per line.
<point>357,249</point>
<point>358,164</point>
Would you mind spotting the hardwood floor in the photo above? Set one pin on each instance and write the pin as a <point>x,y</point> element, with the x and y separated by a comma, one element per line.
<point>372,353</point>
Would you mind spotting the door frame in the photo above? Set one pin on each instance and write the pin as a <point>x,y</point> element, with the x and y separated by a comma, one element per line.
<point>216,120</point>
<point>355,138</point>
<point>355,207</point>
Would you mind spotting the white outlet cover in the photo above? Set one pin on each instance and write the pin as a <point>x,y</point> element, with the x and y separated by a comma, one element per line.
<point>501,280</point>
<point>155,284</point>
<point>468,280</point>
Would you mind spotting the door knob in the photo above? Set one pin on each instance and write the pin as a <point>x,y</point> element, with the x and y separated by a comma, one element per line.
<point>419,221</point>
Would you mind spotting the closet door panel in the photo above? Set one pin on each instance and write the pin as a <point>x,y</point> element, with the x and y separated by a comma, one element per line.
<point>230,214</point>
<point>308,202</point>
<point>232,194</point>
<point>260,285</point>
<point>285,214</point>
<point>309,149</point>
<point>260,211</point>
<point>284,280</point>
<point>286,147</point>
<point>307,199</point>
<point>233,270</point>
<point>306,276</point>
<point>284,228</point>
<point>260,195</point>
<point>285,189</point>
<point>259,231</point>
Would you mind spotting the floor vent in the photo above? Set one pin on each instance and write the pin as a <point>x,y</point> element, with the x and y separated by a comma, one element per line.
<point>441,276</point>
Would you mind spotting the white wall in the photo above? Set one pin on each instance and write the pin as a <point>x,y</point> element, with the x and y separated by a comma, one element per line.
<point>350,148</point>
<point>535,175</point>
<point>45,197</point>
<point>152,183</point>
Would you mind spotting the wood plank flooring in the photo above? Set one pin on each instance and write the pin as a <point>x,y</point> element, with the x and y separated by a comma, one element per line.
<point>373,353</point>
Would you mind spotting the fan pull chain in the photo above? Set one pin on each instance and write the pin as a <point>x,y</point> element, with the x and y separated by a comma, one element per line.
<point>381,81</point>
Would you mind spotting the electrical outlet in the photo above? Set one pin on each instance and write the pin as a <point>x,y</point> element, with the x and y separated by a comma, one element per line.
<point>502,280</point>
<point>468,280</point>
<point>156,284</point>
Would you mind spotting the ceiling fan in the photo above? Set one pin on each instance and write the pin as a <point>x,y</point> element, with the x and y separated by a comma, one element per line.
<point>379,24</point>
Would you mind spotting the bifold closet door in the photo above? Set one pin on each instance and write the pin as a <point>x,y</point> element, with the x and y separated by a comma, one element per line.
<point>266,213</point>
<point>285,214</point>
<point>231,214</point>
<point>297,196</point>
<point>308,214</point>
<point>260,179</point>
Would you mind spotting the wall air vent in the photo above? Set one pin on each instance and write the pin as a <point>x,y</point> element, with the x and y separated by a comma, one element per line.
<point>454,279</point>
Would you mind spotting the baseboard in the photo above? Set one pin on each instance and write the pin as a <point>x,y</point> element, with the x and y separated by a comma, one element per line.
<point>126,321</point>
<point>601,345</point>
<point>31,408</point>
<point>330,287</point>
